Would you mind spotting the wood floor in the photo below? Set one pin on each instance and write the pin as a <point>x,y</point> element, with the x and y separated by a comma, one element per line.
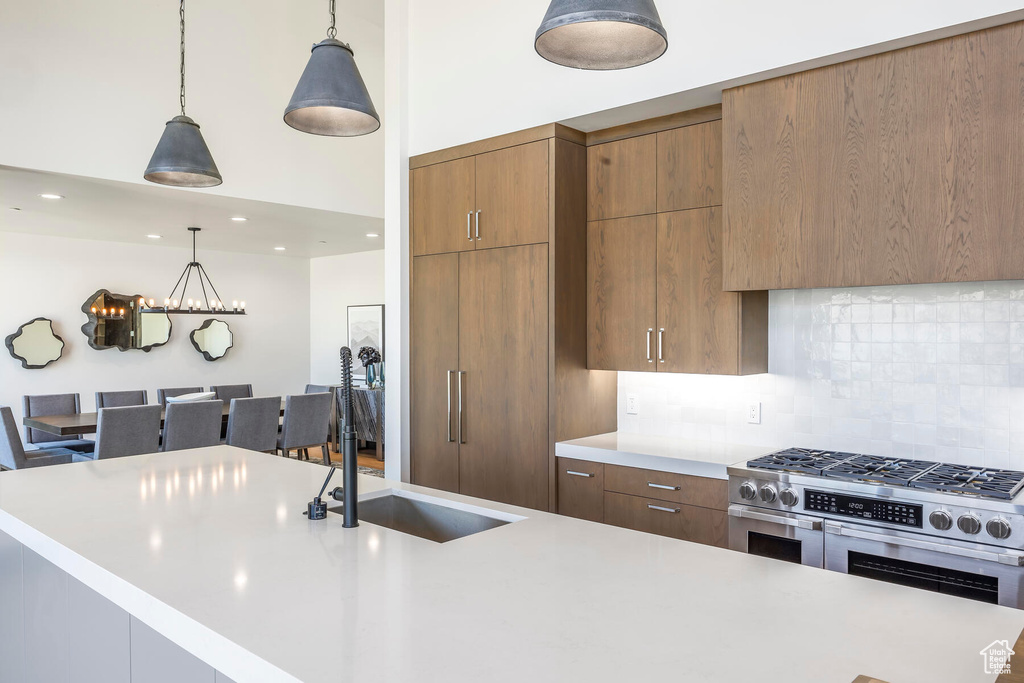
<point>366,458</point>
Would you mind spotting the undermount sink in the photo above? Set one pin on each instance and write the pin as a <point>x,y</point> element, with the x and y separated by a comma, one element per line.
<point>434,519</point>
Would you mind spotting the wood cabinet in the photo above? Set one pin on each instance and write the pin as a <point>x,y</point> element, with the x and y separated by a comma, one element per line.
<point>581,489</point>
<point>899,168</point>
<point>690,167</point>
<point>498,333</point>
<point>685,522</point>
<point>495,199</point>
<point>669,486</point>
<point>622,178</point>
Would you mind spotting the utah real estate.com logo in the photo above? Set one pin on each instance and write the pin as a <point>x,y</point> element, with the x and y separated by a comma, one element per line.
<point>997,657</point>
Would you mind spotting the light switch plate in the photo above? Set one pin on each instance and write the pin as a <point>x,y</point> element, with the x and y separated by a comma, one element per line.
<point>754,413</point>
<point>632,404</point>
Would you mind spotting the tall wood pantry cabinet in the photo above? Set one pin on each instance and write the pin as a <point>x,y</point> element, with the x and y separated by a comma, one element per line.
<point>498,316</point>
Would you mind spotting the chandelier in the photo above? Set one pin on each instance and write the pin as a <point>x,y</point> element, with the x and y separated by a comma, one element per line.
<point>207,305</point>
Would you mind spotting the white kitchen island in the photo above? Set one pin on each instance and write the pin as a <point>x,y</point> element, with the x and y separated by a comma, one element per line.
<point>210,550</point>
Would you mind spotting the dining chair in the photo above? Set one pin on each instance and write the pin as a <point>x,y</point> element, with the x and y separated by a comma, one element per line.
<point>121,399</point>
<point>195,424</point>
<point>252,423</point>
<point>162,394</point>
<point>306,423</point>
<point>54,404</point>
<point>317,389</point>
<point>127,430</point>
<point>13,455</point>
<point>226,392</point>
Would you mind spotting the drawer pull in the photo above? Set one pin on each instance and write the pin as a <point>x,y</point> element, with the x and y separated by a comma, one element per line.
<point>579,474</point>
<point>661,509</point>
<point>662,486</point>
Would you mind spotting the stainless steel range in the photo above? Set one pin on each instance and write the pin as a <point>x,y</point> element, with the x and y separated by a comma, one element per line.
<point>947,528</point>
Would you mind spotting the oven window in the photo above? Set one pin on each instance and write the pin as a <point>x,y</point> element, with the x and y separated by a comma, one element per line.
<point>777,548</point>
<point>935,579</point>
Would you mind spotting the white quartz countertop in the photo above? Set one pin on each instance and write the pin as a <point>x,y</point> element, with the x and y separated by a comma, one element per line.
<point>210,548</point>
<point>663,453</point>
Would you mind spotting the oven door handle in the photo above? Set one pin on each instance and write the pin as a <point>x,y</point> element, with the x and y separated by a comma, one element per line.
<point>746,513</point>
<point>1012,559</point>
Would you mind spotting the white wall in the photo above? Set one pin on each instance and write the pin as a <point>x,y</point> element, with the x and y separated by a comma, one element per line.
<point>336,282</point>
<point>473,72</point>
<point>927,371</point>
<point>52,277</point>
<point>88,86</point>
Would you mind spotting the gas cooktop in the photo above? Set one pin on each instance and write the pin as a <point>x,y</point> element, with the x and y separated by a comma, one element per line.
<point>923,474</point>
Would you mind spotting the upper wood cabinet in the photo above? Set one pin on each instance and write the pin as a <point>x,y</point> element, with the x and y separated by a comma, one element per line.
<point>494,199</point>
<point>690,167</point>
<point>622,178</point>
<point>904,167</point>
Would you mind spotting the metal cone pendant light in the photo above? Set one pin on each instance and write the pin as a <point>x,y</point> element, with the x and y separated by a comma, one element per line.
<point>601,34</point>
<point>181,158</point>
<point>331,98</point>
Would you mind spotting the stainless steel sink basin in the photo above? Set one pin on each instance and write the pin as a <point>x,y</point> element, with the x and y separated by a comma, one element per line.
<point>434,519</point>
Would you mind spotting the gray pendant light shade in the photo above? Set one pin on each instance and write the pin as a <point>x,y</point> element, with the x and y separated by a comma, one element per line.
<point>331,98</point>
<point>182,158</point>
<point>601,34</point>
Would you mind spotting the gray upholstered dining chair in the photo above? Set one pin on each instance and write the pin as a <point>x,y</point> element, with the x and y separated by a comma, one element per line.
<point>226,392</point>
<point>252,423</point>
<point>306,423</point>
<point>195,424</point>
<point>127,430</point>
<point>120,399</point>
<point>53,404</point>
<point>317,389</point>
<point>162,394</point>
<point>13,455</point>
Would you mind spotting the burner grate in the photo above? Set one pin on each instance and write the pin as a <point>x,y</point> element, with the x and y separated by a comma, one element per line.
<point>875,468</point>
<point>979,481</point>
<point>801,460</point>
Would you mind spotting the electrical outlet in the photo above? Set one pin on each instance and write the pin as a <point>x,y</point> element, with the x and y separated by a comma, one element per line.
<point>754,413</point>
<point>632,404</point>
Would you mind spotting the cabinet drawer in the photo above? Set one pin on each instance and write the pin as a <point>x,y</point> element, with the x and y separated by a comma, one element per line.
<point>581,489</point>
<point>685,522</point>
<point>678,488</point>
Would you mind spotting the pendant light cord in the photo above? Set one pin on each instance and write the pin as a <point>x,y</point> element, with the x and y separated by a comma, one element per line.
<point>331,32</point>
<point>181,26</point>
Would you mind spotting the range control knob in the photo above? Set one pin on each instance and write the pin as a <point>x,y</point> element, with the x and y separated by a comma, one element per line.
<point>748,491</point>
<point>789,497</point>
<point>998,527</point>
<point>768,494</point>
<point>941,520</point>
<point>969,524</point>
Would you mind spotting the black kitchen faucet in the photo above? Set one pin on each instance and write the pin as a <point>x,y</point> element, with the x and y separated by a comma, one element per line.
<point>348,493</point>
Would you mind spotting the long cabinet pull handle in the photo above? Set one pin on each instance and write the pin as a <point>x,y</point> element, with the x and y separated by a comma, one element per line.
<point>661,509</point>
<point>461,437</point>
<point>662,486</point>
<point>650,330</point>
<point>469,226</point>
<point>449,425</point>
<point>661,338</point>
<point>579,474</point>
<point>478,224</point>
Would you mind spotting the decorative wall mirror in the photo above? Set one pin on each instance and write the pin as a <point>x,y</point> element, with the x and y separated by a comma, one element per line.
<point>116,322</point>
<point>35,344</point>
<point>212,339</point>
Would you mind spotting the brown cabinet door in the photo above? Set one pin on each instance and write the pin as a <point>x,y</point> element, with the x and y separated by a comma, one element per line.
<point>690,167</point>
<point>622,178</point>
<point>581,489</point>
<point>685,522</point>
<point>512,196</point>
<point>503,349</point>
<point>621,294</point>
<point>434,338</point>
<point>698,323</point>
<point>443,201</point>
<point>679,488</point>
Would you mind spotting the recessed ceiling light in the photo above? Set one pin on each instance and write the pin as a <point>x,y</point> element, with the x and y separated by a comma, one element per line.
<point>154,237</point>
<point>323,242</point>
<point>47,195</point>
<point>239,219</point>
<point>278,248</point>
<point>373,234</point>
<point>15,208</point>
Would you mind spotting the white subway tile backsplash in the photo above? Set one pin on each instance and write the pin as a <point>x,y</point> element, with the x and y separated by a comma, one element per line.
<point>927,371</point>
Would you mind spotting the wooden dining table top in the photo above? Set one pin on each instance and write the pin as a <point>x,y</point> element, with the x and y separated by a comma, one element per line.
<point>85,423</point>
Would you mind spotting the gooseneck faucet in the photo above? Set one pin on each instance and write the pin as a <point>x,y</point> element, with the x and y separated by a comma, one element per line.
<point>348,493</point>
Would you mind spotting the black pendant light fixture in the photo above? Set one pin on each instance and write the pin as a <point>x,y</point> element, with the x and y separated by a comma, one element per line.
<point>601,34</point>
<point>331,98</point>
<point>207,305</point>
<point>182,158</point>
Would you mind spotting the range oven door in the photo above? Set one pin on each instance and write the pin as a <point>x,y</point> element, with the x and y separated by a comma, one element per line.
<point>969,570</point>
<point>779,535</point>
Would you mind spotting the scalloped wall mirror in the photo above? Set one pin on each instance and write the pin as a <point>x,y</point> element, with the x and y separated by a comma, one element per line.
<point>35,344</point>
<point>115,322</point>
<point>212,339</point>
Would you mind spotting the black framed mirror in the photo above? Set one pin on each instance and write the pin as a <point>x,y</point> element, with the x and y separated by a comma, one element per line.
<point>212,339</point>
<point>116,322</point>
<point>35,344</point>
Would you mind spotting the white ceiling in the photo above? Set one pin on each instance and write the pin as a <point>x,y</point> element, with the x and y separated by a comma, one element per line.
<point>127,212</point>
